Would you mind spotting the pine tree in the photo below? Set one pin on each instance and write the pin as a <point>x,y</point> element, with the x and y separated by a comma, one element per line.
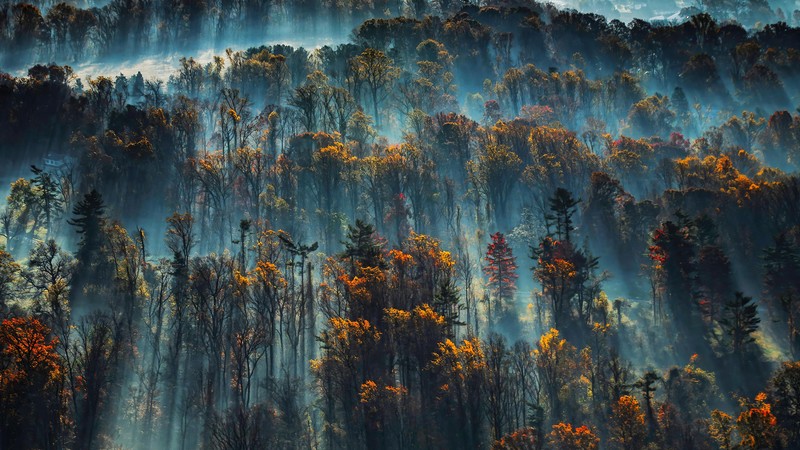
<point>501,267</point>
<point>50,202</point>
<point>741,321</point>
<point>447,303</point>
<point>782,283</point>
<point>89,220</point>
<point>363,246</point>
<point>562,206</point>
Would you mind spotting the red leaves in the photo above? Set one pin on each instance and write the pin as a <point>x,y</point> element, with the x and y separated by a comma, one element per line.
<point>501,266</point>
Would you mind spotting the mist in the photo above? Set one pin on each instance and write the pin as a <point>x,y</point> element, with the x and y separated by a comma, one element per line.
<point>399,224</point>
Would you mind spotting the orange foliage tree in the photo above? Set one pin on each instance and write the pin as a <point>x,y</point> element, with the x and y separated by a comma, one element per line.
<point>628,428</point>
<point>756,424</point>
<point>565,437</point>
<point>31,380</point>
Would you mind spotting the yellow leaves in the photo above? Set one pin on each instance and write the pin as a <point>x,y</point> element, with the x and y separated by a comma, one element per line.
<point>234,115</point>
<point>356,332</point>
<point>421,328</point>
<point>397,315</point>
<point>549,343</point>
<point>459,362</point>
<point>500,158</point>
<point>241,278</point>
<point>425,248</point>
<point>316,365</point>
<point>720,427</point>
<point>425,313</point>
<point>714,172</point>
<point>373,276</point>
<point>333,157</point>
<point>445,260</point>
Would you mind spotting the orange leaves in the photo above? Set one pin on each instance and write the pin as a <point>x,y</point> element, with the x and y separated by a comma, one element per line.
<point>757,426</point>
<point>362,286</point>
<point>241,281</point>
<point>234,115</point>
<point>565,437</point>
<point>356,287</point>
<point>371,393</point>
<point>628,406</point>
<point>559,268</point>
<point>522,439</point>
<point>628,426</point>
<point>368,392</point>
<point>400,258</point>
<point>31,353</point>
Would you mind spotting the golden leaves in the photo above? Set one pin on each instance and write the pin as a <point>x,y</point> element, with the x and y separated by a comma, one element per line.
<point>459,362</point>
<point>354,332</point>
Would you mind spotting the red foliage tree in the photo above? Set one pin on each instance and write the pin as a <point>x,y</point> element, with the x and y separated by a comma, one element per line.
<point>501,269</point>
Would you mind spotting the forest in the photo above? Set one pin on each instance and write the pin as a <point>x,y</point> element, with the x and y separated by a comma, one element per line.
<point>495,224</point>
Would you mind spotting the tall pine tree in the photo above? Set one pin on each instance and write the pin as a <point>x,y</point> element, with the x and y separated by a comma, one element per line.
<point>501,270</point>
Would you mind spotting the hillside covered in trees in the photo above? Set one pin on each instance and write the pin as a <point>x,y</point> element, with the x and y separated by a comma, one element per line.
<point>498,225</point>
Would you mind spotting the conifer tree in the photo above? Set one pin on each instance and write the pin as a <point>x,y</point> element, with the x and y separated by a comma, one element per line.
<point>501,269</point>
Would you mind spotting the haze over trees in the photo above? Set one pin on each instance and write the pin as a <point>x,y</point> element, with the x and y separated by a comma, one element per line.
<point>500,225</point>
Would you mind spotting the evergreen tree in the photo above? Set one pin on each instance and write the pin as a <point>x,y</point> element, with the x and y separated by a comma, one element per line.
<point>49,198</point>
<point>363,246</point>
<point>447,303</point>
<point>501,269</point>
<point>741,321</point>
<point>89,220</point>
<point>562,207</point>
<point>782,283</point>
